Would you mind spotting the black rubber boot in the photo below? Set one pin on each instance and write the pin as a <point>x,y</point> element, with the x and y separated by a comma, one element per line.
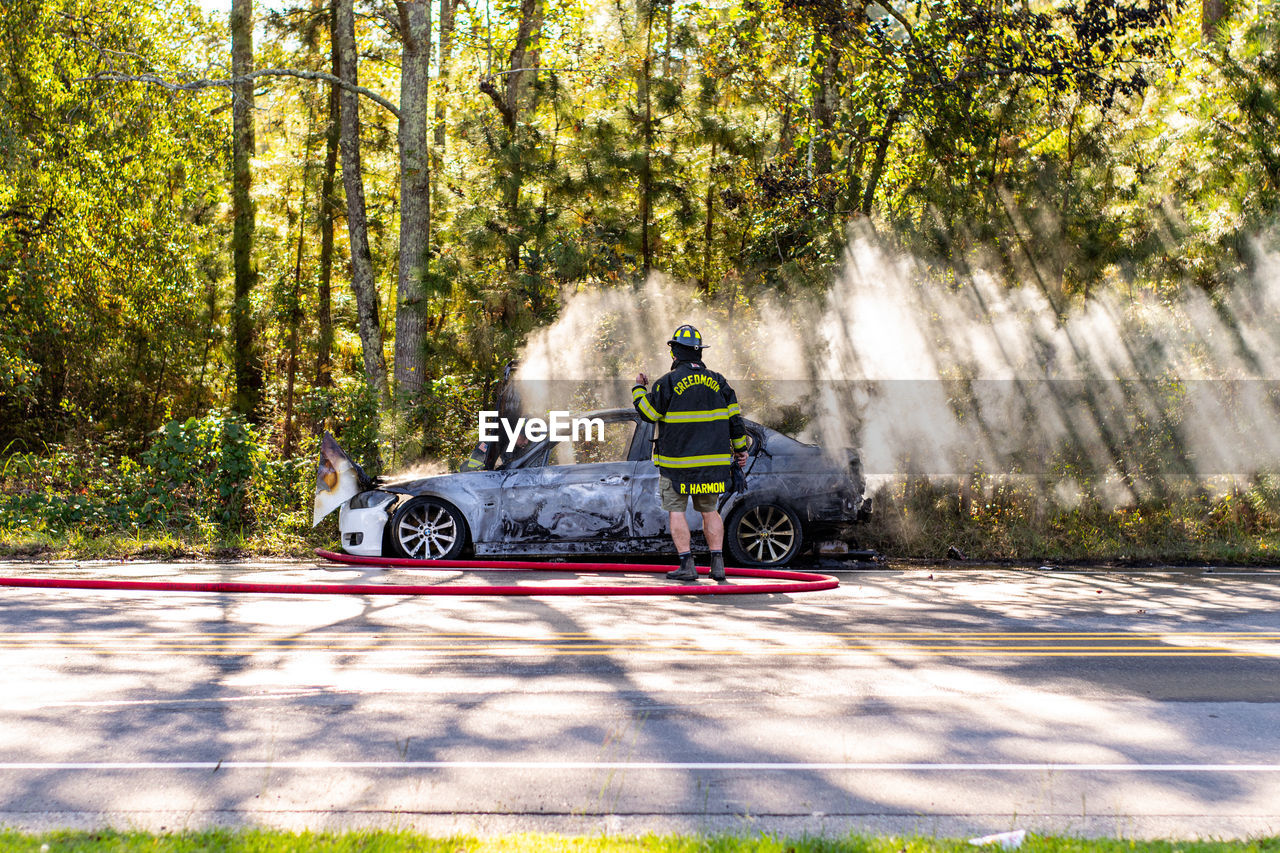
<point>717,566</point>
<point>686,572</point>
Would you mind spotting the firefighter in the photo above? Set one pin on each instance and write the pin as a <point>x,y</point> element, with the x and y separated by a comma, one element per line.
<point>700,436</point>
<point>489,455</point>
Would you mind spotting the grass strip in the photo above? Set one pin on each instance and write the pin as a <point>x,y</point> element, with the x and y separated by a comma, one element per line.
<point>381,841</point>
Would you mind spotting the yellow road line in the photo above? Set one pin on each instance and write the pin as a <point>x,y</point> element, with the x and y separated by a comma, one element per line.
<point>905,643</point>
<point>593,635</point>
<point>534,651</point>
<point>598,647</point>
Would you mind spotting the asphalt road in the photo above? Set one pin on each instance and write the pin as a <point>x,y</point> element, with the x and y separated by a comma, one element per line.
<point>947,701</point>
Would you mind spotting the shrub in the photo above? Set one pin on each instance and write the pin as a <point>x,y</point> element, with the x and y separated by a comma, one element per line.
<point>210,474</point>
<point>202,469</point>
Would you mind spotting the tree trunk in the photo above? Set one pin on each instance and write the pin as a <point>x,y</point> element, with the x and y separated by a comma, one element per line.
<point>211,305</point>
<point>855,159</point>
<point>709,228</point>
<point>415,196</point>
<point>1211,14</point>
<point>295,298</point>
<point>245,357</point>
<point>447,8</point>
<point>438,201</point>
<point>328,205</point>
<point>877,168</point>
<point>823,109</point>
<point>510,101</point>
<point>646,173</point>
<point>525,58</point>
<point>295,320</point>
<point>666,44</point>
<point>362,282</point>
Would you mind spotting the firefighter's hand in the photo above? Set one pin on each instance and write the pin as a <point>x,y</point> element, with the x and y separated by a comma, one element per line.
<point>741,458</point>
<point>641,379</point>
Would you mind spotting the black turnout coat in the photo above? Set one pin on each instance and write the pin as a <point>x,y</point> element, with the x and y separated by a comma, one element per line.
<point>699,427</point>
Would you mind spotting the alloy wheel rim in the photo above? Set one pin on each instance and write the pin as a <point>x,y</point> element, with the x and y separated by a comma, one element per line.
<point>427,532</point>
<point>766,534</point>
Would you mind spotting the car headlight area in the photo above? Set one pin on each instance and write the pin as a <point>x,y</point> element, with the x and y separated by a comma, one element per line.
<point>362,520</point>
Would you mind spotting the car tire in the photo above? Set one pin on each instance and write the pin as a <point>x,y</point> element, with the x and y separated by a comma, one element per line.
<point>764,534</point>
<point>428,529</point>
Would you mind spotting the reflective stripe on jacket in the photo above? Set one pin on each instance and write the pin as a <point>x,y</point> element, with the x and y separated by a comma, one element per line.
<point>700,423</point>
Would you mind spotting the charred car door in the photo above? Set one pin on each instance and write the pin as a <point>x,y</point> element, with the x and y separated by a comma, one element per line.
<point>650,521</point>
<point>568,494</point>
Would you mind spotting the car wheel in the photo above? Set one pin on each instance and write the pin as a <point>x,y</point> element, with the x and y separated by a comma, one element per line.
<point>428,529</point>
<point>764,534</point>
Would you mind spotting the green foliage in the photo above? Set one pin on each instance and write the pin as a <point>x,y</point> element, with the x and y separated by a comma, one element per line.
<point>209,475</point>
<point>106,230</point>
<point>1206,162</point>
<point>349,411</point>
<point>203,468</point>
<point>447,413</point>
<point>68,490</point>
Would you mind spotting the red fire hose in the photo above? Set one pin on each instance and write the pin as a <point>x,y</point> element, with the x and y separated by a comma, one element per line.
<point>797,581</point>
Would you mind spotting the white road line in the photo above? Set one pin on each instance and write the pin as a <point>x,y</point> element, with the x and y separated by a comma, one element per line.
<point>638,765</point>
<point>1245,574</point>
<point>130,703</point>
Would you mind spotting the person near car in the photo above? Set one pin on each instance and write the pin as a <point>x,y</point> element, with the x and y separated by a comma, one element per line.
<point>700,436</point>
<point>491,455</point>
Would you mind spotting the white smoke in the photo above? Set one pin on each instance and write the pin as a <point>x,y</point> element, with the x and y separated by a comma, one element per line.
<point>950,374</point>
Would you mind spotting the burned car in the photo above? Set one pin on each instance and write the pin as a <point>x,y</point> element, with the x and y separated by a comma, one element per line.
<point>595,497</point>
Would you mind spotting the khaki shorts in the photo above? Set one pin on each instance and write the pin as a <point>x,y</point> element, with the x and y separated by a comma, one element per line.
<point>673,501</point>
